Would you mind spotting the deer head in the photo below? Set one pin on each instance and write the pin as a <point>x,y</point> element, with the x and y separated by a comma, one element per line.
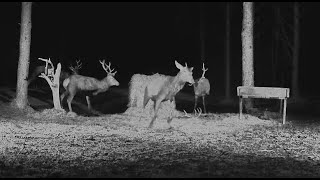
<point>110,74</point>
<point>185,73</point>
<point>76,69</point>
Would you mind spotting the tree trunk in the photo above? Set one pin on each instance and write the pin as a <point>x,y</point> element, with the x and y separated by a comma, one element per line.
<point>227,80</point>
<point>247,49</point>
<point>296,47</point>
<point>54,85</point>
<point>202,34</point>
<point>275,45</point>
<point>21,100</point>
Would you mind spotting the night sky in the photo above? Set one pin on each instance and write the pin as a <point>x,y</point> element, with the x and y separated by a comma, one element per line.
<point>147,37</point>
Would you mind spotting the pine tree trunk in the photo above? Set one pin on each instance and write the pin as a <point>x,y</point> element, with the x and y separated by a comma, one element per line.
<point>295,72</point>
<point>21,100</point>
<point>227,80</point>
<point>202,33</point>
<point>275,45</point>
<point>247,49</point>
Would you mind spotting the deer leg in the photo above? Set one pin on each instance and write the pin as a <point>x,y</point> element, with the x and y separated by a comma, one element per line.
<point>69,100</point>
<point>204,104</point>
<point>195,102</point>
<point>171,113</point>
<point>157,104</point>
<point>88,102</point>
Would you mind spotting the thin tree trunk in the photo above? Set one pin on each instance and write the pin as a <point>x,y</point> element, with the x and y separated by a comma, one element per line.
<point>21,100</point>
<point>202,33</point>
<point>247,49</point>
<point>227,80</point>
<point>275,45</point>
<point>295,70</point>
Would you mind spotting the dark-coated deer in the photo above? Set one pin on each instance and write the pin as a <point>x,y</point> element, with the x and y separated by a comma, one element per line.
<point>159,91</point>
<point>201,89</point>
<point>63,75</point>
<point>76,83</point>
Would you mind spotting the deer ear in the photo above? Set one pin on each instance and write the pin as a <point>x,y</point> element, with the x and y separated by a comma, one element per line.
<point>178,65</point>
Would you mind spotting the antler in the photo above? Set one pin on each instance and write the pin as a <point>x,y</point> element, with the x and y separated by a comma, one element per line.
<point>107,67</point>
<point>77,67</point>
<point>197,111</point>
<point>204,70</point>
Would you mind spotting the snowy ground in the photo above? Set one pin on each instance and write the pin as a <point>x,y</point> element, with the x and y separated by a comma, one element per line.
<point>50,143</point>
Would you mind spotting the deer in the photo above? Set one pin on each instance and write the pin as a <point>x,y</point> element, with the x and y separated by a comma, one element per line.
<point>159,91</point>
<point>63,75</point>
<point>76,83</point>
<point>201,88</point>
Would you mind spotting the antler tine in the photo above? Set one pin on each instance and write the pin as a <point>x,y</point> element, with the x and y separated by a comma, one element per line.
<point>198,111</point>
<point>109,67</point>
<point>186,114</point>
<point>79,64</point>
<point>204,70</point>
<point>103,65</point>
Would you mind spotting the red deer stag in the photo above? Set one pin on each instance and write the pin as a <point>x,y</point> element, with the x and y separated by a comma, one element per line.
<point>166,89</point>
<point>201,88</point>
<point>63,75</point>
<point>76,83</point>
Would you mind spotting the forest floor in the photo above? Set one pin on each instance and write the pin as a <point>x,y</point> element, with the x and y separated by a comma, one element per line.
<point>112,143</point>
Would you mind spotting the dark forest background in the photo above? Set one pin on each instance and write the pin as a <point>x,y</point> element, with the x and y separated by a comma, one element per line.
<point>147,37</point>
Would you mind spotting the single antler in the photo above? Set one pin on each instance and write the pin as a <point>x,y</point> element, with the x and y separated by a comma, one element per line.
<point>204,70</point>
<point>107,67</point>
<point>77,67</point>
<point>197,113</point>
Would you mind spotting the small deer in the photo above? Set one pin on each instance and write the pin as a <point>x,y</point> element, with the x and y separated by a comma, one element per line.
<point>76,83</point>
<point>159,91</point>
<point>201,88</point>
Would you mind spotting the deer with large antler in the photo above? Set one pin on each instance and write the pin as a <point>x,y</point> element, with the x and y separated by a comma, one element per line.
<point>63,75</point>
<point>166,89</point>
<point>76,83</point>
<point>201,89</point>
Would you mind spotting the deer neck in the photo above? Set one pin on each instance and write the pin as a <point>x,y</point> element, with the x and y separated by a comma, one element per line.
<point>177,84</point>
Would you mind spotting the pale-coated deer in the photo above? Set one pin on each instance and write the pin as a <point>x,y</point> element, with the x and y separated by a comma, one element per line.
<point>166,89</point>
<point>201,89</point>
<point>76,83</point>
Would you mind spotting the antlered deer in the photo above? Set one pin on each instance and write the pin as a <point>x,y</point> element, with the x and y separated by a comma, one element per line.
<point>63,75</point>
<point>166,89</point>
<point>76,83</point>
<point>201,88</point>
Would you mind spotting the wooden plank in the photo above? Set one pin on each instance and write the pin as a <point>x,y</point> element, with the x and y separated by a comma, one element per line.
<point>263,92</point>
